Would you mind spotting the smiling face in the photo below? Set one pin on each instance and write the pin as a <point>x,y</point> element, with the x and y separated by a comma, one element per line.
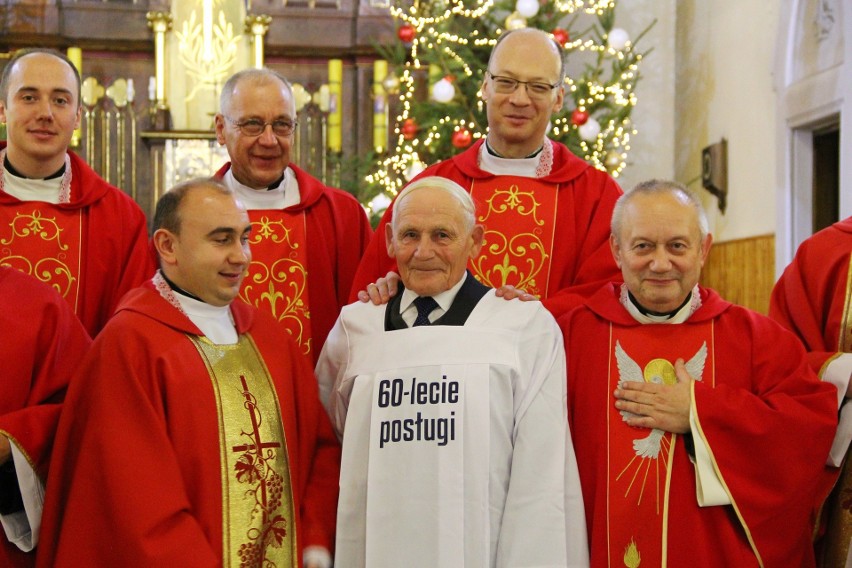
<point>660,250</point>
<point>41,111</point>
<point>517,122</point>
<point>431,241</point>
<point>209,255</point>
<point>257,161</point>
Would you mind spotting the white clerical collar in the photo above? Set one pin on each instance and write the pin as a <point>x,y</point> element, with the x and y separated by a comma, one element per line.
<point>683,314</point>
<point>537,166</point>
<point>25,189</point>
<point>445,299</point>
<point>284,195</point>
<point>215,322</point>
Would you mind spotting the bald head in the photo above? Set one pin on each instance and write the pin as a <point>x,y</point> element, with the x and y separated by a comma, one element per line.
<point>536,39</point>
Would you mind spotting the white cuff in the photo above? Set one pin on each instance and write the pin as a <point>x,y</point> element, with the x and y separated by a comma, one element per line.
<point>317,555</point>
<point>839,373</point>
<point>709,490</point>
<point>24,527</point>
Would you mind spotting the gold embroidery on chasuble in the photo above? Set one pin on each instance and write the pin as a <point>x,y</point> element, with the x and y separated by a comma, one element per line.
<point>258,513</point>
<point>519,215</point>
<point>277,279</point>
<point>44,242</point>
<point>640,460</point>
<point>845,339</point>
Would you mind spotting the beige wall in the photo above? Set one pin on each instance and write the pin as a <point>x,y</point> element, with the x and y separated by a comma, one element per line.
<point>725,89</point>
<point>652,148</point>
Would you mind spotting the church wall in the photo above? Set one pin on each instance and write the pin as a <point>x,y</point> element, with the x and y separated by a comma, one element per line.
<point>652,148</point>
<point>725,89</point>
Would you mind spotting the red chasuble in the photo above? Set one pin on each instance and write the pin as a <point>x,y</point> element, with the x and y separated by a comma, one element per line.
<point>336,232</point>
<point>92,250</point>
<point>641,461</point>
<point>520,219</point>
<point>137,478</point>
<point>579,260</point>
<point>813,298</point>
<point>765,418</point>
<point>47,248</point>
<point>277,279</point>
<point>42,345</point>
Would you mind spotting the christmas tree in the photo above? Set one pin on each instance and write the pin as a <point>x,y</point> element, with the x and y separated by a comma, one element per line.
<point>437,68</point>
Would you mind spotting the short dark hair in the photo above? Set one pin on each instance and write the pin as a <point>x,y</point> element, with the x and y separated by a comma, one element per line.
<point>167,215</point>
<point>21,53</point>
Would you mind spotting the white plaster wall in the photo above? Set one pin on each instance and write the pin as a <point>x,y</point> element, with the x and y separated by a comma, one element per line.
<point>725,88</point>
<point>652,149</point>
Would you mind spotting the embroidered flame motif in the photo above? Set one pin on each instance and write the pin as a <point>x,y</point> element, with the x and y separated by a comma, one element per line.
<point>632,558</point>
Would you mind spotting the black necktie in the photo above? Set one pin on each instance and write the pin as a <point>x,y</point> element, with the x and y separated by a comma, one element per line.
<point>424,305</point>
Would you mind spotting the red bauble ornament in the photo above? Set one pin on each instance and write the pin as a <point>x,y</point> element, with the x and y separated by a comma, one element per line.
<point>560,35</point>
<point>462,138</point>
<point>409,129</point>
<point>406,33</point>
<point>579,117</point>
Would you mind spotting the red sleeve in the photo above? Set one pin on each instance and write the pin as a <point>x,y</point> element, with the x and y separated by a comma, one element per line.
<point>115,247</point>
<point>768,423</point>
<point>375,261</point>
<point>354,236</point>
<point>320,461</point>
<point>582,254</point>
<point>809,297</point>
<point>43,345</point>
<point>116,494</point>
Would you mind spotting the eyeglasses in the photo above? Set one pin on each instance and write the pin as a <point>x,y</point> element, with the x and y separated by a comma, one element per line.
<point>253,127</point>
<point>507,85</point>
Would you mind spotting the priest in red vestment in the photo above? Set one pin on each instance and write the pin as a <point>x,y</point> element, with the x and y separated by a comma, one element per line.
<point>546,211</point>
<point>59,221</point>
<point>813,299</point>
<point>193,433</point>
<point>700,429</point>
<point>42,346</point>
<point>307,238</point>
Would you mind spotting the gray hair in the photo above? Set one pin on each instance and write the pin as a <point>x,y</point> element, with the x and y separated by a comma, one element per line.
<point>656,187</point>
<point>255,77</point>
<point>468,208</point>
<point>563,63</point>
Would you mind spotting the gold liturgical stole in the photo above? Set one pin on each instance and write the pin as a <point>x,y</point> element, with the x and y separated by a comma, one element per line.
<point>44,242</point>
<point>519,215</point>
<point>277,279</point>
<point>258,514</point>
<point>640,459</point>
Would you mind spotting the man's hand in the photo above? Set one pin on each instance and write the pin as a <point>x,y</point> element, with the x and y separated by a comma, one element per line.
<point>382,291</point>
<point>5,449</point>
<point>508,292</point>
<point>658,406</point>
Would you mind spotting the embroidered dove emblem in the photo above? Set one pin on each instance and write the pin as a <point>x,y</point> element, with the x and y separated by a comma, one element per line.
<point>658,371</point>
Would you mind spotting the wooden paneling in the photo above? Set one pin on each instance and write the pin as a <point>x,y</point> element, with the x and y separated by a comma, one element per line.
<point>742,271</point>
